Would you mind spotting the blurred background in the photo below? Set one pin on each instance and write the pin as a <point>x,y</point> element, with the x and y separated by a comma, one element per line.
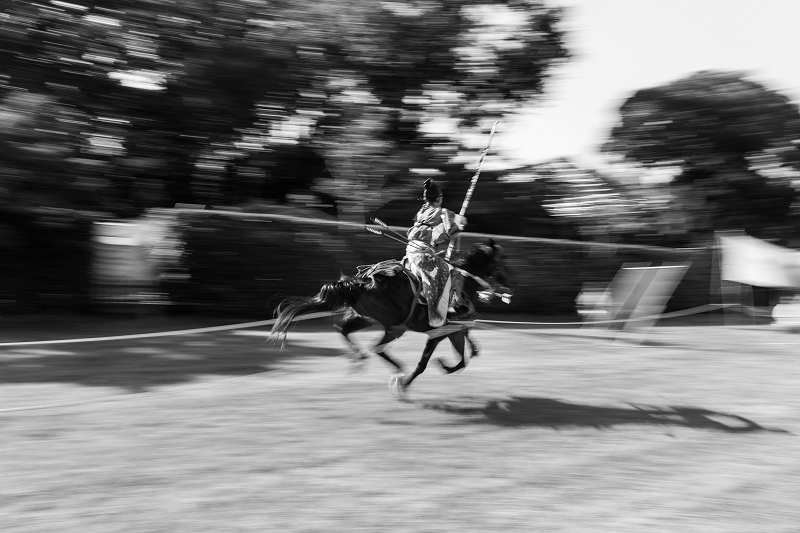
<point>213,157</point>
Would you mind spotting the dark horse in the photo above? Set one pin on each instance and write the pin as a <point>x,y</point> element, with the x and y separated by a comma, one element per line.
<point>390,299</point>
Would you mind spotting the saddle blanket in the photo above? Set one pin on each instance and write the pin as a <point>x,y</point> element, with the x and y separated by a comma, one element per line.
<point>388,268</point>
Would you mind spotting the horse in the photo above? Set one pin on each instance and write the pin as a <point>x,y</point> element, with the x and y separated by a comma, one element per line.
<point>388,293</point>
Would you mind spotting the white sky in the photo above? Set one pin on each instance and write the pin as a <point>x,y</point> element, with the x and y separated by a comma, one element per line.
<point>620,46</point>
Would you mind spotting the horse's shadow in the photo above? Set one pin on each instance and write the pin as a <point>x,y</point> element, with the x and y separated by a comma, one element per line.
<point>546,412</point>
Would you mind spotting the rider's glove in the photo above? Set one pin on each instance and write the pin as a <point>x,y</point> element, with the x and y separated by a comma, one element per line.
<point>460,221</point>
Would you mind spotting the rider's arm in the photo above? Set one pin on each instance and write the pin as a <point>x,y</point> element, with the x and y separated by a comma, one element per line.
<point>448,228</point>
<point>442,240</point>
<point>455,222</point>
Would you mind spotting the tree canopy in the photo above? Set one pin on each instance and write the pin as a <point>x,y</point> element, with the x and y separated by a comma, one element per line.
<point>734,141</point>
<point>147,103</point>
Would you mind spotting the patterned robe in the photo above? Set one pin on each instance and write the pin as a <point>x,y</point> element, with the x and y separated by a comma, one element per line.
<point>433,227</point>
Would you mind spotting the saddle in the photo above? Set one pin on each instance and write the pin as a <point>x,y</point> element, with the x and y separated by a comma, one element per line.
<point>391,268</point>
<point>385,268</point>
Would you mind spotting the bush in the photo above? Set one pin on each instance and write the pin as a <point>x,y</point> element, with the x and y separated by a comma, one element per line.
<point>243,264</point>
<point>46,262</point>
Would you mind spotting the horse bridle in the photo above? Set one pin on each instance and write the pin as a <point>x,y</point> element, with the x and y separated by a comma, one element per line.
<point>482,282</point>
<point>488,289</point>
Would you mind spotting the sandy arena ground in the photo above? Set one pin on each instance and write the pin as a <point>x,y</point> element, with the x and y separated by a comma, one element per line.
<point>549,430</point>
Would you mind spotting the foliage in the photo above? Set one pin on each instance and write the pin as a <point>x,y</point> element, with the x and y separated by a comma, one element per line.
<point>734,142</point>
<point>147,103</point>
<point>275,257</point>
<point>47,258</point>
<point>113,107</point>
<point>498,206</point>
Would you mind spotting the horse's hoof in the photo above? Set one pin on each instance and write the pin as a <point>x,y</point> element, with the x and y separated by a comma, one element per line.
<point>396,386</point>
<point>445,368</point>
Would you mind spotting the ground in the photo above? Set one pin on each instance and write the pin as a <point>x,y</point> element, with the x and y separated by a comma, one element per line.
<point>550,429</point>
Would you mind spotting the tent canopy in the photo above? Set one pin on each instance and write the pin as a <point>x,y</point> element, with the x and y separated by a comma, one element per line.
<point>751,261</point>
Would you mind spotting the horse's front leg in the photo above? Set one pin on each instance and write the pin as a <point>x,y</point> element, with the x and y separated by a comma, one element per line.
<point>473,346</point>
<point>457,339</point>
<point>430,346</point>
<point>389,335</point>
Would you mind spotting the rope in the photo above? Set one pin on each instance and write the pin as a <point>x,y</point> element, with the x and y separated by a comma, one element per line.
<point>243,325</point>
<point>685,312</point>
<point>402,229</point>
<point>172,389</point>
<point>444,330</point>
<point>753,311</point>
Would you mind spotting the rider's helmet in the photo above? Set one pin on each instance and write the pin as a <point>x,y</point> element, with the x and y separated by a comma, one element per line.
<point>430,191</point>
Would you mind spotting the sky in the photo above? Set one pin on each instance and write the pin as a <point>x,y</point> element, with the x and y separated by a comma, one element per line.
<point>620,46</point>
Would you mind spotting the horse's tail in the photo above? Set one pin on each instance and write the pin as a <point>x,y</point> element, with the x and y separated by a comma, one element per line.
<point>332,297</point>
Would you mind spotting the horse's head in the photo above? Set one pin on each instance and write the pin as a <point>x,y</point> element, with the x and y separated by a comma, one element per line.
<point>487,262</point>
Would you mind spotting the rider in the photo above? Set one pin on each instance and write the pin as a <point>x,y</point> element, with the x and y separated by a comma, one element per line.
<point>428,240</point>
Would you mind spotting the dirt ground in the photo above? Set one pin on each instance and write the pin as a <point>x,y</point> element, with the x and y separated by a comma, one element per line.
<point>550,429</point>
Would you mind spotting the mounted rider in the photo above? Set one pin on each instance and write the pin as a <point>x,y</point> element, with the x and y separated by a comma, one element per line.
<point>428,239</point>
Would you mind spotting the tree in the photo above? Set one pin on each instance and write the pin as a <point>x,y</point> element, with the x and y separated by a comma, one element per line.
<point>415,65</point>
<point>733,140</point>
<point>183,93</point>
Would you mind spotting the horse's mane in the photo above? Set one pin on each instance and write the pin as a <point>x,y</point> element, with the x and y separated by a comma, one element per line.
<point>478,255</point>
<point>359,280</point>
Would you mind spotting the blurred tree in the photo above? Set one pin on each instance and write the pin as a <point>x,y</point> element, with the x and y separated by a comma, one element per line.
<point>167,84</point>
<point>174,96</point>
<point>600,209</point>
<point>733,141</point>
<point>416,77</point>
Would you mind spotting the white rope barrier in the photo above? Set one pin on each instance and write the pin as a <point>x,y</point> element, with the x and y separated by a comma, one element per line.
<point>403,229</point>
<point>170,390</point>
<point>674,314</point>
<point>246,325</point>
<point>243,325</point>
<point>444,330</point>
<point>752,311</point>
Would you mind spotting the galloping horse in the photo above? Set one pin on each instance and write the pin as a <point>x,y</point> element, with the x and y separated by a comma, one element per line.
<point>388,294</point>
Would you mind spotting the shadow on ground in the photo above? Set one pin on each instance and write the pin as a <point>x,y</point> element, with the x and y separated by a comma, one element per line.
<point>140,365</point>
<point>546,412</point>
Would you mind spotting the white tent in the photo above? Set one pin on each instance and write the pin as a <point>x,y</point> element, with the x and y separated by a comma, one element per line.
<point>750,261</point>
<point>745,261</point>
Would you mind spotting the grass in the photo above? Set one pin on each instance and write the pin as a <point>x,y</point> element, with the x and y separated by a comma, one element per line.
<point>547,431</point>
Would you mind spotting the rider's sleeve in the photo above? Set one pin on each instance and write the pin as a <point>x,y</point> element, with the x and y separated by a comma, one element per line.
<point>445,230</point>
<point>449,220</point>
<point>440,236</point>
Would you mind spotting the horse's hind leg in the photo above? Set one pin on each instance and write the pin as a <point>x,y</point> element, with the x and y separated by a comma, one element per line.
<point>351,323</point>
<point>354,322</point>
